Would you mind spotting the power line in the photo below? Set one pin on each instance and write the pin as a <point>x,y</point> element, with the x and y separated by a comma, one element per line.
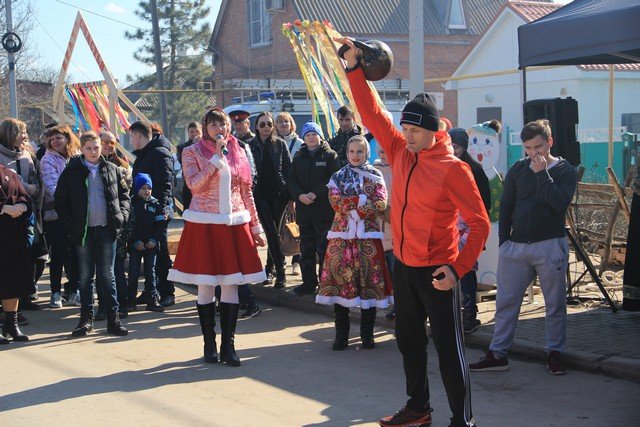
<point>60,47</point>
<point>100,15</point>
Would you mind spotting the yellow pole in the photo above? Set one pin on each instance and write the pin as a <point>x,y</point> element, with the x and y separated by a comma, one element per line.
<point>610,115</point>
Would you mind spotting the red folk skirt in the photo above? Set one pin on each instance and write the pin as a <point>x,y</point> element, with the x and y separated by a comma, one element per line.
<point>217,254</point>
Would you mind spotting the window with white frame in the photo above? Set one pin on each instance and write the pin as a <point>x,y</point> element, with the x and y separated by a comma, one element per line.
<point>259,23</point>
<point>456,16</point>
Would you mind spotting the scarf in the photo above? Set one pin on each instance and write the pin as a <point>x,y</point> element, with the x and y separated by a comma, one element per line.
<point>348,179</point>
<point>237,157</point>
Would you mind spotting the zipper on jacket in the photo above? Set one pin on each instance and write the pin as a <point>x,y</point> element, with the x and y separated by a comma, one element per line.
<point>86,221</point>
<point>404,208</point>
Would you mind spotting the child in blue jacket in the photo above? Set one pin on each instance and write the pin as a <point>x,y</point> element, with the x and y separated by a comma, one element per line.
<point>143,232</point>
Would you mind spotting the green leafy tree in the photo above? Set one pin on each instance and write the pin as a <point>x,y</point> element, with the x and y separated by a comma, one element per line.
<point>184,35</point>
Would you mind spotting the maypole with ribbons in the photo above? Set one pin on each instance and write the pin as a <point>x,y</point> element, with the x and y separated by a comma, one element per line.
<point>321,68</point>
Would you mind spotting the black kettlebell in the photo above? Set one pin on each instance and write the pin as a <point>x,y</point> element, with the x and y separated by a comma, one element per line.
<point>376,59</point>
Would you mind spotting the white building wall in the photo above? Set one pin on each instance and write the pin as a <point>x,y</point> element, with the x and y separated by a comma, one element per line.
<point>498,51</point>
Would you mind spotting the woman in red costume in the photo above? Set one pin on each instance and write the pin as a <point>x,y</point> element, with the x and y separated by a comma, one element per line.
<point>221,232</point>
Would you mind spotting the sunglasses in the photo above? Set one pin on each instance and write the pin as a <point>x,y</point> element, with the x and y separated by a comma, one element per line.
<point>263,124</point>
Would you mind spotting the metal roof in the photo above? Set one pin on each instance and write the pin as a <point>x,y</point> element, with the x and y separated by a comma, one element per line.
<point>392,16</point>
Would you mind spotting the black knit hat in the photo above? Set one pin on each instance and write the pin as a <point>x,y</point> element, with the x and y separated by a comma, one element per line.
<point>459,137</point>
<point>421,111</point>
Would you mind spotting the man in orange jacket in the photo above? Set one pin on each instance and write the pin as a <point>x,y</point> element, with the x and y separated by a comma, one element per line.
<point>430,188</point>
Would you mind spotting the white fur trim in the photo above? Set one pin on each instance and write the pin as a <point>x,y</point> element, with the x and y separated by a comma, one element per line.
<point>224,199</point>
<point>362,199</point>
<point>257,229</point>
<point>354,215</point>
<point>356,302</point>
<point>235,218</point>
<point>216,161</point>
<point>355,230</point>
<point>220,279</point>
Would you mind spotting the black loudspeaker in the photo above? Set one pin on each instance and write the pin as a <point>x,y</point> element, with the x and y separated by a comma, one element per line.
<point>562,114</point>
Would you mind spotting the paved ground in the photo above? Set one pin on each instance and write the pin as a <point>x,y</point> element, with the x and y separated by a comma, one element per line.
<point>289,377</point>
<point>598,340</point>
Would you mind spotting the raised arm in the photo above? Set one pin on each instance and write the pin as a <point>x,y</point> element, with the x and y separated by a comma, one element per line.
<point>373,117</point>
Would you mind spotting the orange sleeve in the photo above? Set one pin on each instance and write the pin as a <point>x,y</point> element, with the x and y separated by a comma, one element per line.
<point>383,130</point>
<point>463,192</point>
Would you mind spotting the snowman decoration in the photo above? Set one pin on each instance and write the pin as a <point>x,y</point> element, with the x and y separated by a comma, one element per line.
<point>484,147</point>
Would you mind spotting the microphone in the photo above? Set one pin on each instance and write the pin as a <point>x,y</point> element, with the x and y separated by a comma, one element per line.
<point>220,138</point>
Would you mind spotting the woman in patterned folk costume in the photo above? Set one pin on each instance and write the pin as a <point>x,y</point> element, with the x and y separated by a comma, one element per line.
<point>355,272</point>
<point>221,233</point>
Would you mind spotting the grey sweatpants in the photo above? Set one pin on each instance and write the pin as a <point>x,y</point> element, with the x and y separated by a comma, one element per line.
<point>518,264</point>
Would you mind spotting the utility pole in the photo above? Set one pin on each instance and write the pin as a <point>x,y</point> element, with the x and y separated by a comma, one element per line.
<point>159,67</point>
<point>416,47</point>
<point>11,45</point>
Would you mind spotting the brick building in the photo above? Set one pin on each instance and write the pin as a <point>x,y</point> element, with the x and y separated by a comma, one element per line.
<point>247,43</point>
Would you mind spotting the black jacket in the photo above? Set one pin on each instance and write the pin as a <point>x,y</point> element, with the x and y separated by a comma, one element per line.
<point>533,206</point>
<point>280,158</point>
<point>146,221</point>
<point>481,180</point>
<point>311,173</point>
<point>72,198</point>
<point>339,142</point>
<point>155,160</point>
<point>180,148</point>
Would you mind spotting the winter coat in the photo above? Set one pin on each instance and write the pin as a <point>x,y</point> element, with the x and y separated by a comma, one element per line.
<point>22,163</point>
<point>180,148</point>
<point>155,159</point>
<point>294,143</point>
<point>146,221</point>
<point>51,167</point>
<point>358,217</point>
<point>339,143</point>
<point>481,179</point>
<point>310,172</point>
<point>26,167</point>
<point>16,263</point>
<point>72,198</point>
<point>387,240</point>
<point>218,197</point>
<point>280,159</point>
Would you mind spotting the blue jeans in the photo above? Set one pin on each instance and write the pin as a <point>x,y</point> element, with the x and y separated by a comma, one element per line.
<point>135,257</point>
<point>62,255</point>
<point>97,257</point>
<point>121,281</point>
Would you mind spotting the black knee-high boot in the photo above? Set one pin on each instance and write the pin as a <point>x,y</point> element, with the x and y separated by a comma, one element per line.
<point>207,315</point>
<point>228,321</point>
<point>367,321</point>
<point>10,327</point>
<point>342,327</point>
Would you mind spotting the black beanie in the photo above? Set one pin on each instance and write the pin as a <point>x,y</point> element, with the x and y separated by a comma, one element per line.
<point>459,137</point>
<point>421,111</point>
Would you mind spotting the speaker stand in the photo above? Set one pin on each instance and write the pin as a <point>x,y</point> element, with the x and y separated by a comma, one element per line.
<point>582,256</point>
